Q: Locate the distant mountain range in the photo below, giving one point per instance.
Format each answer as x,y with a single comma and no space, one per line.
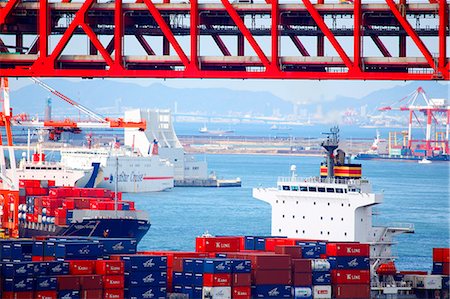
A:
112,97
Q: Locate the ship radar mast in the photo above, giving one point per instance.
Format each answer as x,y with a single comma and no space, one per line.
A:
330,144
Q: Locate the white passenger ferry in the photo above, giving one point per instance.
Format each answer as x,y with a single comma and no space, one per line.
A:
133,171
336,206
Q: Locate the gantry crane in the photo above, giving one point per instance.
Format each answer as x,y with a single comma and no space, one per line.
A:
436,111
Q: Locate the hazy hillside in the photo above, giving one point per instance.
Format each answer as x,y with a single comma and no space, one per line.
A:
112,97
101,94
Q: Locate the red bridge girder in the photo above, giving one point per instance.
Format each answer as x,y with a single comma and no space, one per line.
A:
359,41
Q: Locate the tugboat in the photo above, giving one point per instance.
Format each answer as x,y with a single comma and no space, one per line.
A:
335,206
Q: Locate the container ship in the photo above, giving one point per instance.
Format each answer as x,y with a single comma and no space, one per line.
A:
39,208
335,206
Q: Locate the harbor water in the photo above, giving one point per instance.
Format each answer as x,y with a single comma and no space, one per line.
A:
413,193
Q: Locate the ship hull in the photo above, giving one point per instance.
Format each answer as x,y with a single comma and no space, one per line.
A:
111,228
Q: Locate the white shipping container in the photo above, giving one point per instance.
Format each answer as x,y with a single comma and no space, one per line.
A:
216,293
428,282
302,292
320,265
322,292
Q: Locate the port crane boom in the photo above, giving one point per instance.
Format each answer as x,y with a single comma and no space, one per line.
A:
431,108
98,122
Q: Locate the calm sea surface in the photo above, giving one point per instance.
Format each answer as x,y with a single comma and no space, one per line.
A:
413,193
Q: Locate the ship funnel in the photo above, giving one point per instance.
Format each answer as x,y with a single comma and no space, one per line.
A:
330,145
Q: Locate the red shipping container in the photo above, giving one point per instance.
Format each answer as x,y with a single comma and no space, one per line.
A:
113,294
119,195
17,295
348,249
272,242
91,294
354,291
350,276
294,251
113,282
217,244
441,255
216,280
68,204
49,258
29,218
177,265
81,267
81,203
68,282
262,277
270,261
91,282
241,279
241,293
46,295
109,267
30,183
302,265
446,269
301,279
36,258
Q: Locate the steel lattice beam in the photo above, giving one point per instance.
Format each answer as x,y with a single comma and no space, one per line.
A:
318,31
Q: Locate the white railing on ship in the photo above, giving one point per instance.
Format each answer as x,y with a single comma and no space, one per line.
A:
322,180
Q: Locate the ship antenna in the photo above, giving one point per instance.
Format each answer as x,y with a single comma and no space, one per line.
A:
330,145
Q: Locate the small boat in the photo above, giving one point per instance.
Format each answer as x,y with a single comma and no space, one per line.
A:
203,129
424,161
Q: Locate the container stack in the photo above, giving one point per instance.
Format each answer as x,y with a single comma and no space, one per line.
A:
145,276
350,274
41,204
111,274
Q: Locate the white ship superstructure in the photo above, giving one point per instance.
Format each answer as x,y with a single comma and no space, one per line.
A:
160,127
336,206
134,172
39,169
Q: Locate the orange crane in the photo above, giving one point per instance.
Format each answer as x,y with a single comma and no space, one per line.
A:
98,121
434,111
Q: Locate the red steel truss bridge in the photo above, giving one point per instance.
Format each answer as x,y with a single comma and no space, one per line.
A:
242,39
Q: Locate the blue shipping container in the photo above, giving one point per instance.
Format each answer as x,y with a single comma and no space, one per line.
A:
189,265
438,268
40,268
310,252
58,268
445,282
21,251
146,292
241,266
148,263
271,291
197,280
249,243
17,269
321,278
5,251
18,284
118,245
67,294
135,278
38,248
349,262
260,243
78,250
217,266
192,292
45,283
